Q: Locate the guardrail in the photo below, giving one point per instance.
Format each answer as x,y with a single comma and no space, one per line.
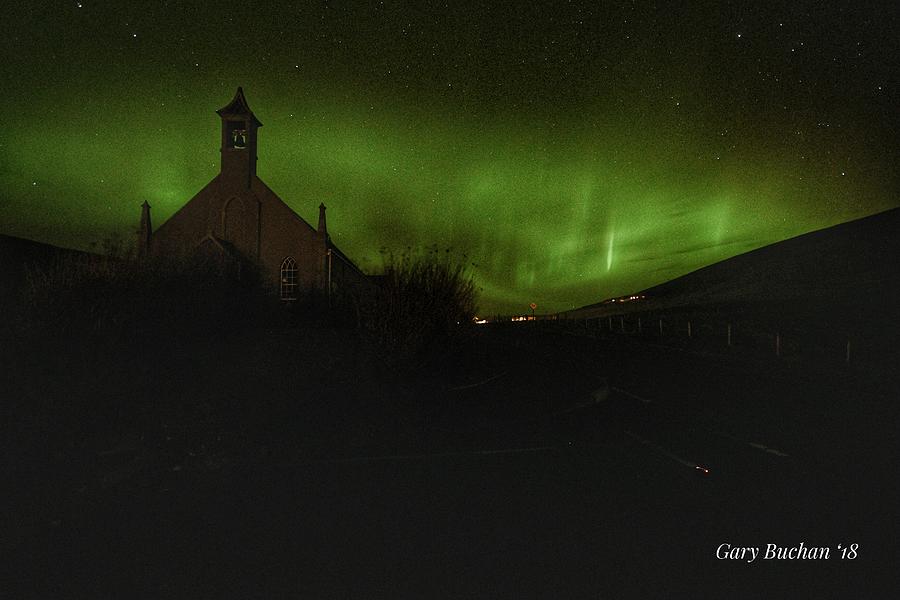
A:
822,343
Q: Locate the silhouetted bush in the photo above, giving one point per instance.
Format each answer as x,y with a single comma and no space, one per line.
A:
105,344
117,298
421,301
198,361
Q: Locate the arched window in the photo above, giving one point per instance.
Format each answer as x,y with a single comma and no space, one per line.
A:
288,279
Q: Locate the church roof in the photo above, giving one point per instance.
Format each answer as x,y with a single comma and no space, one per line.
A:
238,107
342,256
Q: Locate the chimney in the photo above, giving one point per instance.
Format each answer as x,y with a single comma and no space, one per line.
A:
145,232
322,228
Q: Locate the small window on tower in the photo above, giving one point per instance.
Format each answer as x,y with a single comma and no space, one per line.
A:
237,134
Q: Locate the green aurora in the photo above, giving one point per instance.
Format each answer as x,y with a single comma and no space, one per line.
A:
562,198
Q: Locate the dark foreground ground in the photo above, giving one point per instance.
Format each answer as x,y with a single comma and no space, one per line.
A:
548,465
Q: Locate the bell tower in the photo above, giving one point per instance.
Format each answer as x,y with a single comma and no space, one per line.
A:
239,127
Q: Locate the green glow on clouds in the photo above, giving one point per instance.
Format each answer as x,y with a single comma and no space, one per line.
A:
561,215
572,151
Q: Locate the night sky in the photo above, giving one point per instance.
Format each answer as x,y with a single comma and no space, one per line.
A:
572,150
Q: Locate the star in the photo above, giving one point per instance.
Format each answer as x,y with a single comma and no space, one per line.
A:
493,70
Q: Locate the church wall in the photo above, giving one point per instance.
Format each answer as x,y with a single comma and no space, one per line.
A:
285,234
231,214
179,235
239,221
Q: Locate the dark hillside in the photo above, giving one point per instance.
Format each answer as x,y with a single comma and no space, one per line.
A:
18,254
847,261
849,265
826,300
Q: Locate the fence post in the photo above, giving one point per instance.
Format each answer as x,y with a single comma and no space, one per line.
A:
729,334
660,328
639,325
622,324
610,324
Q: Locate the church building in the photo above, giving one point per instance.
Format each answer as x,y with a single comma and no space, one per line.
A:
237,215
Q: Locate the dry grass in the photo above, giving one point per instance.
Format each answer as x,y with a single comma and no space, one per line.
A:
423,300
195,358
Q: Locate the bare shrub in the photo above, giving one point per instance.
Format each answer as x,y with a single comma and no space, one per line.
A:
421,301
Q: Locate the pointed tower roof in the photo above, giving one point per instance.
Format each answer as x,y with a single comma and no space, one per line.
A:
238,107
